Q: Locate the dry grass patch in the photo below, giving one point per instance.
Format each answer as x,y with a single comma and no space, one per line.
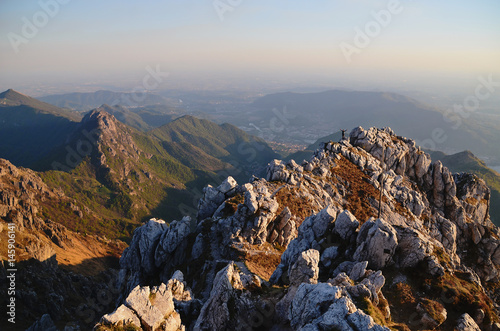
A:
290,197
360,190
261,260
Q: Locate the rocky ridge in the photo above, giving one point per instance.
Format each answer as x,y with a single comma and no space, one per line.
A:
430,261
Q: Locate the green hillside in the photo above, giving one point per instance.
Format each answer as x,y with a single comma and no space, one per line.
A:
188,136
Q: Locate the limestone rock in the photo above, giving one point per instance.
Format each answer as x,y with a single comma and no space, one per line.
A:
276,171
310,302
305,269
432,313
140,254
227,185
358,270
412,248
313,227
377,241
335,316
215,314
466,323
172,241
151,306
328,255
359,291
120,317
346,225
474,195
212,199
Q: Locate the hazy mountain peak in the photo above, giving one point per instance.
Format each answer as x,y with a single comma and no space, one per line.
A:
14,98
11,92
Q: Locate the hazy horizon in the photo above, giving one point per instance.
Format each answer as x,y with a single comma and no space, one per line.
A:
84,46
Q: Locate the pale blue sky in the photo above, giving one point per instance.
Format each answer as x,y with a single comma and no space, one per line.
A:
102,38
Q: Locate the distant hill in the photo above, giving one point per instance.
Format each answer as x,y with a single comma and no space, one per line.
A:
336,109
467,162
30,128
209,140
87,101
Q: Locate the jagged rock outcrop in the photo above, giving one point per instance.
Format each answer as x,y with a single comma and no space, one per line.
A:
150,308
214,197
219,311
21,191
310,233
326,306
431,252
139,258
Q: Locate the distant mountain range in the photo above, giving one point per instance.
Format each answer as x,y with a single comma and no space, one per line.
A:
90,100
285,116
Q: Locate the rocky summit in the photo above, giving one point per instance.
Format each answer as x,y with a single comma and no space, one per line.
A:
368,234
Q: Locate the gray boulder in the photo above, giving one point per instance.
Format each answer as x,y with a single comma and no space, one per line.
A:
305,270
377,241
310,302
151,306
413,247
328,255
358,271
346,225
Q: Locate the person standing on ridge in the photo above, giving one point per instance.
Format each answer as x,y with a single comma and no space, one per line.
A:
343,134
